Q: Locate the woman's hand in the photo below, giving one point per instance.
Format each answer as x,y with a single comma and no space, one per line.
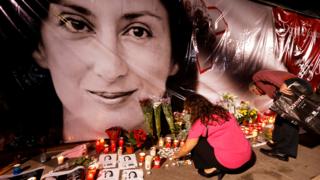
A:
285,90
175,156
186,148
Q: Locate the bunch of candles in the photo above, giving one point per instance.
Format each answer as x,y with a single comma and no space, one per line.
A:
100,145
103,146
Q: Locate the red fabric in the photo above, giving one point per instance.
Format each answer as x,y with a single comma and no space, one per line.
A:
298,38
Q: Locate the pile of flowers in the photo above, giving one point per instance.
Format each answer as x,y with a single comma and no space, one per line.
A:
136,137
182,124
245,114
228,101
152,108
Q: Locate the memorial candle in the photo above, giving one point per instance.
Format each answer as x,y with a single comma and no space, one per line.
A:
148,162
142,156
98,146
60,159
175,143
113,146
106,149
161,142
121,142
90,176
153,151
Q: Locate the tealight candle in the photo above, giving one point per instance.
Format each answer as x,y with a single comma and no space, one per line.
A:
148,162
60,159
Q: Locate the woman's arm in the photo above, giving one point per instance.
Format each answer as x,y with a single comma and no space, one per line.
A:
186,148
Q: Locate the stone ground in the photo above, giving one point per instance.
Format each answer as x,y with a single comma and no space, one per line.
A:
306,166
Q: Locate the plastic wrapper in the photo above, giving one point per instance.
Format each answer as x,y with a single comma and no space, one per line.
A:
147,109
167,110
231,40
231,50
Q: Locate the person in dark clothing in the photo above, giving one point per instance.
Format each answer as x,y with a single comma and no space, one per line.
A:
285,135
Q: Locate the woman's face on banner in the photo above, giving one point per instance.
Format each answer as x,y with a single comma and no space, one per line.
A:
106,55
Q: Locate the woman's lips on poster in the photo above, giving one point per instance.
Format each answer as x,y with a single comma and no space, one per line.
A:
112,97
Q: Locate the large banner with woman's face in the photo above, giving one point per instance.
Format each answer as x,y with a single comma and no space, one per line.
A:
71,69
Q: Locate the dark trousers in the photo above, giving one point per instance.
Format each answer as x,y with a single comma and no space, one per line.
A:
203,158
286,136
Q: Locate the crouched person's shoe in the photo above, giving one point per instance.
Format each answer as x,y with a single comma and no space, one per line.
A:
274,154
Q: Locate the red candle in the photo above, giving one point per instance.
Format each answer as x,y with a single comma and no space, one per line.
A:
168,142
175,143
121,142
90,176
102,142
98,146
113,146
106,149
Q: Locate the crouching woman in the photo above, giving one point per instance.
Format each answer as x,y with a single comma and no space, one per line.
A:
215,140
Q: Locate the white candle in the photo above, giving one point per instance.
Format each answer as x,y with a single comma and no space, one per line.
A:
148,162
153,151
60,159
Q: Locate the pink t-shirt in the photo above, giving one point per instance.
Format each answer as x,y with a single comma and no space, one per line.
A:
231,148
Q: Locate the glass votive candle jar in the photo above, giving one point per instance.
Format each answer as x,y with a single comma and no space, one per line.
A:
142,156
16,169
60,159
153,151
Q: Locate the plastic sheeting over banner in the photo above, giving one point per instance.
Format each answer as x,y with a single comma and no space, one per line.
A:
251,36
88,63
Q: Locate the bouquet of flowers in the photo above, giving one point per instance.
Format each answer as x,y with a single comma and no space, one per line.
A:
183,124
147,109
228,101
167,110
136,137
113,132
157,113
245,114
